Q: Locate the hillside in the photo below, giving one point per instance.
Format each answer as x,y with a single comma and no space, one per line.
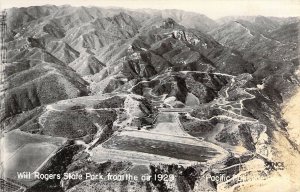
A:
259,39
150,92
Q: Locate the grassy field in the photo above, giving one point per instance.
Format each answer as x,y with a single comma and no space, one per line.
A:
158,147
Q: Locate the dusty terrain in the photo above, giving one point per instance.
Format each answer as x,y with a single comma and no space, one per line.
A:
286,180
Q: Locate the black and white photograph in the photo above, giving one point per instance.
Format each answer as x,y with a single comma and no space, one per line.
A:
150,96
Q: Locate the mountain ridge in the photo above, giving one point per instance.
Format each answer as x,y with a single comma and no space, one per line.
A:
125,87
